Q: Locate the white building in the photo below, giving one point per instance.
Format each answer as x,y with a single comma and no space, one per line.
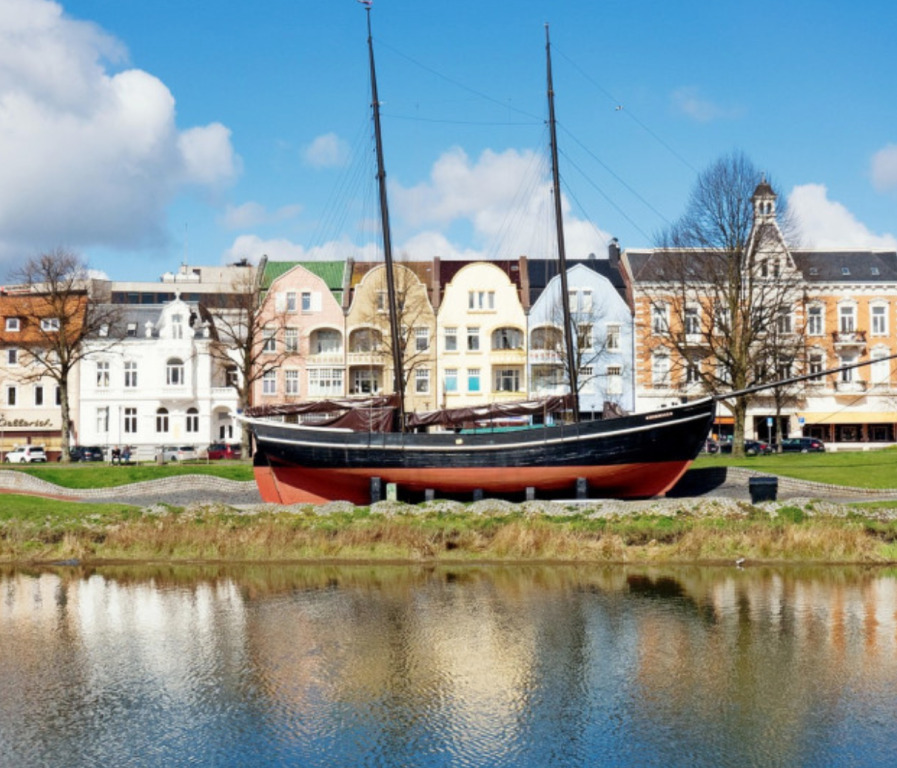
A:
158,385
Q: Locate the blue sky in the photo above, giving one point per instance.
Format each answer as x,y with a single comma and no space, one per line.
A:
143,134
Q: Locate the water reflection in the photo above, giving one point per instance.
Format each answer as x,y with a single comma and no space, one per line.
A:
378,665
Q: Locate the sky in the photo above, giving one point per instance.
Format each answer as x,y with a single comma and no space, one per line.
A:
144,135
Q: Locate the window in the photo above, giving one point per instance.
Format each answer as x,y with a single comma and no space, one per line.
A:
177,326
325,381
692,321
451,379
422,381
692,371
473,339
572,301
102,375
846,374
783,321
291,382
291,339
104,329
507,380
326,341
269,383
722,319
659,319
847,315
12,356
130,424
879,320
49,324
162,420
584,335
364,340
614,380
306,301
12,324
547,339
660,370
11,394
269,340
132,329
103,420
473,379
451,339
507,338
130,374
613,337
58,400
38,394
192,424
174,372
365,381
421,339
880,370
481,300
816,364
815,326
232,376
586,301
291,301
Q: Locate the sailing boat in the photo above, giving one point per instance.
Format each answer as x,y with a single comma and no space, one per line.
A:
633,456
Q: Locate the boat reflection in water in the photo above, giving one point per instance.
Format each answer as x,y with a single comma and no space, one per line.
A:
450,666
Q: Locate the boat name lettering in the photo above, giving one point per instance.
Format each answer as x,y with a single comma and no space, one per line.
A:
652,416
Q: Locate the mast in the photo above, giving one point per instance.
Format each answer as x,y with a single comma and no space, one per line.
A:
395,335
572,361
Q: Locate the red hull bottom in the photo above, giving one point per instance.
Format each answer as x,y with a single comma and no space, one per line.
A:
302,485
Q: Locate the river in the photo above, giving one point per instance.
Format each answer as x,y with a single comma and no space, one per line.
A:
451,666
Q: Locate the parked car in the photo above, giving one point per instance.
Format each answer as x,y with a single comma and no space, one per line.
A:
86,453
802,445
751,448
711,446
223,451
176,453
25,454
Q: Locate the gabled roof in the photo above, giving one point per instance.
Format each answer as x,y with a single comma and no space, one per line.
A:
541,272
331,272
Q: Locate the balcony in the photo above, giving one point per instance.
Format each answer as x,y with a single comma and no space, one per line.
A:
849,339
507,357
850,386
325,358
545,356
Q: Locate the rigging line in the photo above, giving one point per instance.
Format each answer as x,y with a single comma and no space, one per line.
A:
629,114
607,198
457,84
615,175
444,121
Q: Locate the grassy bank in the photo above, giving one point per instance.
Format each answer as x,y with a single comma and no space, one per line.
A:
98,475
36,530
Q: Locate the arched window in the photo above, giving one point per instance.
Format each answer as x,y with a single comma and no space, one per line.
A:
174,372
507,338
162,420
192,420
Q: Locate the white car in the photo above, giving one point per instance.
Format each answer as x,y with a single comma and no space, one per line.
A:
25,454
176,453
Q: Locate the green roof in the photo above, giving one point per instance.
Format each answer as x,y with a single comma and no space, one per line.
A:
331,272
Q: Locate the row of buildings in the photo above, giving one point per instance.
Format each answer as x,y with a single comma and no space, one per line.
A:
161,372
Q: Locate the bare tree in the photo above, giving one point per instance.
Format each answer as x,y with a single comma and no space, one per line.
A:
56,303
247,338
724,293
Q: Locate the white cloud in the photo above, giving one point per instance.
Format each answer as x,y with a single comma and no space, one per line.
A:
884,168
824,223
254,215
689,102
253,247
89,156
327,151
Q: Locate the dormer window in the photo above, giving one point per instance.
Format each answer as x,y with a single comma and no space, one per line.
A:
49,324
845,271
875,270
177,326
814,271
13,324
132,329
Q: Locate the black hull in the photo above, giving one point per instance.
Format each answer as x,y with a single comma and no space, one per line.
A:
649,452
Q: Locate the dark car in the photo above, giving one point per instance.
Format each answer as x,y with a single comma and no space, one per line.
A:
223,451
86,453
751,448
711,446
802,445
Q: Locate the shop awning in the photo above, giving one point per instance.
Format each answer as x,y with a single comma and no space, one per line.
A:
850,417
724,420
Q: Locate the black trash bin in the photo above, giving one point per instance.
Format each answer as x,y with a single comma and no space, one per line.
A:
763,488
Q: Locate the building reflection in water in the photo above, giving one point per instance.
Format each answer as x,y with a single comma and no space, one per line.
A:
475,665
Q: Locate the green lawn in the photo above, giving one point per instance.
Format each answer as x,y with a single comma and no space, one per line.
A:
97,475
859,469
